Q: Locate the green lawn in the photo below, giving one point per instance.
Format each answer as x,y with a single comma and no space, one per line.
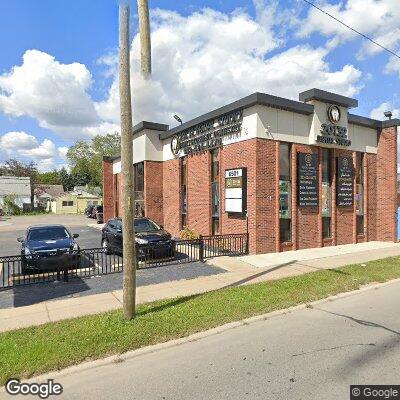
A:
30,351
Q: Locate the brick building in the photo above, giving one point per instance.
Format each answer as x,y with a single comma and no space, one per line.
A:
294,174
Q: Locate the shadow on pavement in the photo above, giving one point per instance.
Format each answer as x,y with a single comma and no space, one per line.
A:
36,293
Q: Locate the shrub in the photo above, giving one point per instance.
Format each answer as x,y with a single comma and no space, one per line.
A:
188,234
9,206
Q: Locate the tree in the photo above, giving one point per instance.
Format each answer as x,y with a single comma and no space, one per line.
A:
15,167
145,42
66,179
49,178
86,158
128,234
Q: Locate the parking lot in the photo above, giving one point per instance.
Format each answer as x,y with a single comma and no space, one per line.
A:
89,237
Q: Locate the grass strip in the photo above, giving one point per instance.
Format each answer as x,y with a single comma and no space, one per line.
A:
35,350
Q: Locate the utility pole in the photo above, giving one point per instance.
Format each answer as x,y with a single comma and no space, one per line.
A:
128,234
145,42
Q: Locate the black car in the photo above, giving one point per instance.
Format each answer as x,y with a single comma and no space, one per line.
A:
88,210
48,248
96,210
152,241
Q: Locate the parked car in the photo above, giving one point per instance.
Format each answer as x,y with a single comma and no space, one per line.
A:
99,217
47,248
152,241
96,210
88,210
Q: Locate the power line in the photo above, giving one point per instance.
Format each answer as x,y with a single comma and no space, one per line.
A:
352,29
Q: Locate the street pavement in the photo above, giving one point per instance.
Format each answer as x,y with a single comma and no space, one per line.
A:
311,353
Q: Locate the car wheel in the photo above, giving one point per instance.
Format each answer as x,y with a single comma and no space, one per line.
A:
105,245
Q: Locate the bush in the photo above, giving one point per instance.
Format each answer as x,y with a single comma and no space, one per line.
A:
188,234
9,206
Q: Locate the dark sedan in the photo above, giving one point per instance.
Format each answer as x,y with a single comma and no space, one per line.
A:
152,241
48,248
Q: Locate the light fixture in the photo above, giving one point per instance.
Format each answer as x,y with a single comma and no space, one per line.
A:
178,119
388,114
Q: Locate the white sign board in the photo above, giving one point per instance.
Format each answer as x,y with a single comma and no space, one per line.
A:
235,190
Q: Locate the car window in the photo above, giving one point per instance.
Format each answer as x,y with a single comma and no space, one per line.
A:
118,224
111,224
145,225
47,233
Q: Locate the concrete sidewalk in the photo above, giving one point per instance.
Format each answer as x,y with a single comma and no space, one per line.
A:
239,271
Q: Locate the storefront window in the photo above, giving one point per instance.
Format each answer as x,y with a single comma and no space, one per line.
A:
285,223
326,194
183,168
360,193
138,187
215,191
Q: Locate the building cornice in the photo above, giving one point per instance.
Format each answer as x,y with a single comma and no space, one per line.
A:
246,102
328,97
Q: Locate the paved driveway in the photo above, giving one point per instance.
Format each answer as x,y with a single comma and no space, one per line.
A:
89,238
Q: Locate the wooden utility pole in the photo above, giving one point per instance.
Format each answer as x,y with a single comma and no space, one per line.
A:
128,234
145,43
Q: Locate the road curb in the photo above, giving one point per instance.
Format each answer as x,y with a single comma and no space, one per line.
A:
86,365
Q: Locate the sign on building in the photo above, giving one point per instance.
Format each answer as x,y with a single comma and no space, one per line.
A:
345,182
307,180
236,190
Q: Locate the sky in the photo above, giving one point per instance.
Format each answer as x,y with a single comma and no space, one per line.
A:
58,64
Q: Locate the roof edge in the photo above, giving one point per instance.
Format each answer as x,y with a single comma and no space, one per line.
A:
245,102
328,97
149,125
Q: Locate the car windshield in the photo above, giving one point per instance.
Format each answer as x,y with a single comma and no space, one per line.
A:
53,233
145,225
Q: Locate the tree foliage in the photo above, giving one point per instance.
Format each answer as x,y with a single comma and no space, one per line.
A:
86,158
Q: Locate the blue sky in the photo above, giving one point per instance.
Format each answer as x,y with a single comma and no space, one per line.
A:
232,49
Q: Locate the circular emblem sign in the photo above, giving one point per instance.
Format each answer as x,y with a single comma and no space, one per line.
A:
308,159
175,145
334,114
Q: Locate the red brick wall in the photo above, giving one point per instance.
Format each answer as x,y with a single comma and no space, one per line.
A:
171,196
199,192
108,190
260,157
240,155
153,191
386,184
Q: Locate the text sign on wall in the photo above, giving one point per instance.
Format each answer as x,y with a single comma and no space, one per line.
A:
345,182
207,135
307,180
235,190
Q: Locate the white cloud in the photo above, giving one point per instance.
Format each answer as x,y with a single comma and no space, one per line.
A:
208,59
393,66
53,93
200,62
23,146
379,19
377,113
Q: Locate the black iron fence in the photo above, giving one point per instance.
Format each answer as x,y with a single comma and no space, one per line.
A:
63,266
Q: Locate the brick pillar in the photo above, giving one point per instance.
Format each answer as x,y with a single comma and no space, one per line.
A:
171,196
153,191
386,172
108,190
371,198
199,192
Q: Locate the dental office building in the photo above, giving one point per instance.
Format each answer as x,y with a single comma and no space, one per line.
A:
293,174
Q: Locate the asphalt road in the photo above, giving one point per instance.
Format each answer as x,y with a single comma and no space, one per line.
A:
88,238
307,354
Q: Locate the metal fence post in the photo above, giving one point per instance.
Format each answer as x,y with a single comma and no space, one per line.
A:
201,248
247,243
